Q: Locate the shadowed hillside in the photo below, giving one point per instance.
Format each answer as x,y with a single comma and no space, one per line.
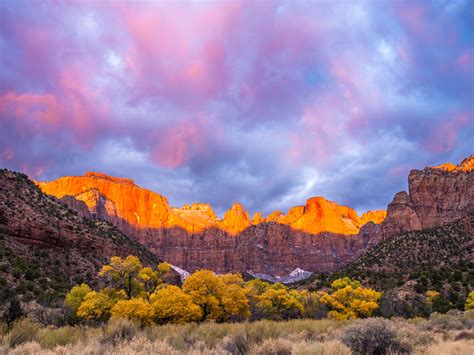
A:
439,259
45,247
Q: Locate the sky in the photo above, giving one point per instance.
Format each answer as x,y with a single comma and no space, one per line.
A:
266,103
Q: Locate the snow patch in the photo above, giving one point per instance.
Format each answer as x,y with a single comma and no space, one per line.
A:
183,274
294,276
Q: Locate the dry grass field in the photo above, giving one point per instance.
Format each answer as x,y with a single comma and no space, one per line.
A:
451,333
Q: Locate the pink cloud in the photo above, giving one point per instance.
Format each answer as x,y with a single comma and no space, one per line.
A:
8,154
415,17
443,135
183,52
177,144
465,61
42,108
322,131
72,108
399,171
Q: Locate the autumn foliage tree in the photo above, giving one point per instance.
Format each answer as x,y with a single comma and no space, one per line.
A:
76,296
274,301
139,293
97,305
124,274
469,302
219,297
279,302
130,281
349,300
137,309
171,304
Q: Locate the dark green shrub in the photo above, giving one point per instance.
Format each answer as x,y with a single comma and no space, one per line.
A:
17,273
394,304
13,312
441,304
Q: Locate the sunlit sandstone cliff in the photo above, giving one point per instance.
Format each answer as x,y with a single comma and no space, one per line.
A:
121,201
116,199
436,196
319,236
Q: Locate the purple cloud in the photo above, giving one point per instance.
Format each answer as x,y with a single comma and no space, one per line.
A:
220,102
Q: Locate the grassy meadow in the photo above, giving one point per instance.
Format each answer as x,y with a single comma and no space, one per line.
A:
451,333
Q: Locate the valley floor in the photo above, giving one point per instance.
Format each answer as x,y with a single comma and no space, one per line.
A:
451,333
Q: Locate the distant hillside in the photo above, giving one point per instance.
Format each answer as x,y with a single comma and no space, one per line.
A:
443,247
45,247
192,237
440,259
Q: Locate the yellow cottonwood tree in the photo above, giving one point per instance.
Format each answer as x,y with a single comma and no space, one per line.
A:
344,282
469,302
234,298
256,287
97,305
163,268
76,296
205,289
431,295
347,301
279,302
124,272
171,304
137,309
149,280
312,305
220,297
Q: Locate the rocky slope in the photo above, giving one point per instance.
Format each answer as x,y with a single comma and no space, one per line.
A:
319,236
45,248
439,259
128,206
442,247
436,196
414,262
427,240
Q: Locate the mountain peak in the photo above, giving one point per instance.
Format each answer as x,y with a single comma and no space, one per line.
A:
467,165
120,200
97,175
236,219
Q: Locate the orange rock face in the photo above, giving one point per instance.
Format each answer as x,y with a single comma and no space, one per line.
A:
436,195
320,215
31,218
467,165
133,205
319,236
376,216
192,236
275,216
193,218
236,219
123,203
257,218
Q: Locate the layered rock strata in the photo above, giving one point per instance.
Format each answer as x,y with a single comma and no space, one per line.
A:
319,236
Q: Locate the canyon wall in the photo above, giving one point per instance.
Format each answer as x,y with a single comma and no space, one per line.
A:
319,236
29,217
436,196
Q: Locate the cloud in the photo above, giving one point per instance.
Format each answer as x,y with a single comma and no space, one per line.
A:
221,102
